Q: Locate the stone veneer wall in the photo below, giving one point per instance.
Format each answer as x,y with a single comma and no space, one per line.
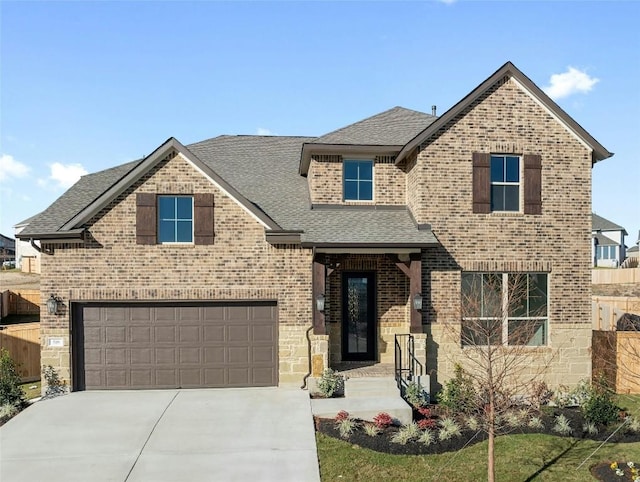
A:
325,181
240,265
439,186
392,303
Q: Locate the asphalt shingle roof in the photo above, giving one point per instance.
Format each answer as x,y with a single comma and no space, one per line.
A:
264,169
598,223
604,241
394,127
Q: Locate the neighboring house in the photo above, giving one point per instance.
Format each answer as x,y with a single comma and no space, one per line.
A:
27,257
608,242
7,249
259,260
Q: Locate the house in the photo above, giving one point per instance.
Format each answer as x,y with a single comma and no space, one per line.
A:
608,242
7,249
263,260
27,257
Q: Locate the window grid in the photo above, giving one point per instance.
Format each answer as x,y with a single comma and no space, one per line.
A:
505,182
358,180
175,219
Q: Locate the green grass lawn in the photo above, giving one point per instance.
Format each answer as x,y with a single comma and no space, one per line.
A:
630,403
518,458
31,392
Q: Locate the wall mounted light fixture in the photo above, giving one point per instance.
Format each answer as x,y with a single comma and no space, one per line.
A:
320,302
417,301
53,304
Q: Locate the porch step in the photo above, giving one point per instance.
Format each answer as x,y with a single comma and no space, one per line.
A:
363,408
371,387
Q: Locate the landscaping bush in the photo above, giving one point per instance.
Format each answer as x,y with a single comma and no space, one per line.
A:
415,394
600,408
330,383
10,391
55,386
458,394
383,420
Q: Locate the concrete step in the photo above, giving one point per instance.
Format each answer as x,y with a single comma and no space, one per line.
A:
363,408
371,387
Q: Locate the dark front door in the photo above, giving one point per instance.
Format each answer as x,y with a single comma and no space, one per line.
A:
358,316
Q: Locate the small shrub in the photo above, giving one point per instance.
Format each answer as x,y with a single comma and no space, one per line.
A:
563,397
330,383
600,408
540,394
415,394
535,423
55,386
590,428
406,433
633,424
427,437
513,419
342,415
427,423
562,425
7,411
449,428
346,427
458,394
383,420
371,429
425,412
472,422
10,391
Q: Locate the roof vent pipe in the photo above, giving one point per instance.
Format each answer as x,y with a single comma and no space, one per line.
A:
433,110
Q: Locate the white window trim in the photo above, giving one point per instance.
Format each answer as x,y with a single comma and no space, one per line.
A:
373,179
520,157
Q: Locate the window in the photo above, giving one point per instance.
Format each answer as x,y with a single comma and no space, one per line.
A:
175,219
358,180
504,308
505,183
606,252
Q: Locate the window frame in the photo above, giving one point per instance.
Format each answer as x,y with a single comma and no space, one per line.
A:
505,183
506,319
358,180
176,220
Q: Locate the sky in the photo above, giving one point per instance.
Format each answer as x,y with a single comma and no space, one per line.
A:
85,86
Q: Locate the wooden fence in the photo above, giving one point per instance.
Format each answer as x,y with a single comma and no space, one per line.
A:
615,276
616,357
607,310
22,341
24,302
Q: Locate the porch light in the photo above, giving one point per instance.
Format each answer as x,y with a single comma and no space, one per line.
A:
417,302
320,302
53,303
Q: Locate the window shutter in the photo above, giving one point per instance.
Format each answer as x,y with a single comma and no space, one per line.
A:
532,184
146,218
481,182
203,218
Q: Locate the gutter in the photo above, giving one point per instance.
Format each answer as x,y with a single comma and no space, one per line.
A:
306,377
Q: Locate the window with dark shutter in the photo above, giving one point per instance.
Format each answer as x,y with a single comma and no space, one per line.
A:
203,218
532,184
145,218
481,183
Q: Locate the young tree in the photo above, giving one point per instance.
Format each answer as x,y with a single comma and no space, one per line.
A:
503,315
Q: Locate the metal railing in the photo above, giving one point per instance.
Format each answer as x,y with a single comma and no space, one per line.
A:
407,367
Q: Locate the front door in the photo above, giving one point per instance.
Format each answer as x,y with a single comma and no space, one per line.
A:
358,316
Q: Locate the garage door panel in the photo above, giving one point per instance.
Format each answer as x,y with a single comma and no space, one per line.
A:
152,345
165,334
140,334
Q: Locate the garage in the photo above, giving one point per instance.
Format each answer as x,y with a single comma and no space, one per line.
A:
174,345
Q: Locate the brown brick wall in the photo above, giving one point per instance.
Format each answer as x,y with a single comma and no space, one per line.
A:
325,181
240,265
439,179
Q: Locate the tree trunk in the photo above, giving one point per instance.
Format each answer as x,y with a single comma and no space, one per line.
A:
491,470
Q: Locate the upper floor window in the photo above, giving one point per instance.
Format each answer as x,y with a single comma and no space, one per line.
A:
358,180
505,183
175,219
607,252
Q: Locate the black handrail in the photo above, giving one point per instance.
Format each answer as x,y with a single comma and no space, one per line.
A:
407,366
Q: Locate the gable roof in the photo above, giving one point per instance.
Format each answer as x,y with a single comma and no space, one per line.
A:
604,241
383,133
598,223
508,69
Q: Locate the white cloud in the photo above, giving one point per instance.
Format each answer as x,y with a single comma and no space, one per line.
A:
66,175
264,132
11,169
571,82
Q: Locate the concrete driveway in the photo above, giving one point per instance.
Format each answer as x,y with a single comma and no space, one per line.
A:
163,435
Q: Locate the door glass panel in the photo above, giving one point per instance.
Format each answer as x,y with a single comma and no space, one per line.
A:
357,314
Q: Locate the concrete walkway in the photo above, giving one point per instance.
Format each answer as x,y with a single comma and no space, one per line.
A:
257,434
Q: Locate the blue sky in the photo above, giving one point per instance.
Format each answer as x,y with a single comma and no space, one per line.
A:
89,85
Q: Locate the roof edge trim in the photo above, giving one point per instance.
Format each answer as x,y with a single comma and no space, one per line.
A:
309,148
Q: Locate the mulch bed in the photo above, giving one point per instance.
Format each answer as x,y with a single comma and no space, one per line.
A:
604,473
382,441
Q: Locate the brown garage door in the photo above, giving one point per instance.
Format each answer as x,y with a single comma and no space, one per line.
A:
185,345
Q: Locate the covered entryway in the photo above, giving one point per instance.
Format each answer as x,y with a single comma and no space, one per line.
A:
130,345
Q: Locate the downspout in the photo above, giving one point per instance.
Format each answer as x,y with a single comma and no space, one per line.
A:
304,380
